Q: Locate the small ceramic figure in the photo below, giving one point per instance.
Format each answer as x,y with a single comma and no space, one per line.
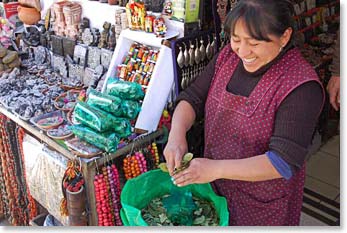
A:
159,27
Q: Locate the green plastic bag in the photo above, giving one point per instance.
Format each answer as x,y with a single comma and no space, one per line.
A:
100,120
124,89
139,191
115,105
107,141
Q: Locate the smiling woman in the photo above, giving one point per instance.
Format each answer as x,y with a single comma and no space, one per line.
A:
261,101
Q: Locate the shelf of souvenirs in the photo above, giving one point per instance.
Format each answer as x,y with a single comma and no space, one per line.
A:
314,10
318,23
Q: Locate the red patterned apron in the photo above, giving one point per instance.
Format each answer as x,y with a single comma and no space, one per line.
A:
239,127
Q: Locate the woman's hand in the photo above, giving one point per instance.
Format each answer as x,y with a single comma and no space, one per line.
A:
200,171
174,150
333,89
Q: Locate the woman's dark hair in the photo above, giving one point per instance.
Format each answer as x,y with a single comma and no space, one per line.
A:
262,18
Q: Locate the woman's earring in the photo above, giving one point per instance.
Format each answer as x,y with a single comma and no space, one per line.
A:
280,50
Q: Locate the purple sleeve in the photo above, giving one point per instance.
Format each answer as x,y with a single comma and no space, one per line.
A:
281,166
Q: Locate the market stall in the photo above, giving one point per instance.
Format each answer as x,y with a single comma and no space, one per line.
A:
86,99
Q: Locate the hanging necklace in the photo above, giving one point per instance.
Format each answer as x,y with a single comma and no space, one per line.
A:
222,12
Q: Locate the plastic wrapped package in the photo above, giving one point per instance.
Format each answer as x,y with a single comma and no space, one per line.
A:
115,105
124,89
44,171
107,141
100,120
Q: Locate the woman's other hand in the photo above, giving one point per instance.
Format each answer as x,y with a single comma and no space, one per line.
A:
174,150
200,171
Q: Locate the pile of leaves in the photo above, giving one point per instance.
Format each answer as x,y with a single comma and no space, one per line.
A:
204,215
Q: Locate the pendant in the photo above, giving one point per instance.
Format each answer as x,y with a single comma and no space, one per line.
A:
202,50
213,47
180,58
208,49
191,55
197,53
186,55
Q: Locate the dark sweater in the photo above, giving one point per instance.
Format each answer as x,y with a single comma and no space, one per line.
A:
295,118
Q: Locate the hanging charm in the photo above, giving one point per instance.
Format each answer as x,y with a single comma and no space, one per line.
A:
180,58
183,80
202,50
186,55
197,53
213,47
208,49
191,54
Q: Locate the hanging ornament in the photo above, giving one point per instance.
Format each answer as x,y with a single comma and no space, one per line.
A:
180,58
202,50
186,55
208,49
191,54
197,53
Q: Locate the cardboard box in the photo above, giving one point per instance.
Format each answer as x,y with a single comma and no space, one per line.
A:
186,10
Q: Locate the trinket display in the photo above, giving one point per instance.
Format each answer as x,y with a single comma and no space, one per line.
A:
136,13
72,15
76,72
68,46
82,148
62,132
134,165
6,32
59,19
57,45
121,22
192,55
112,40
67,100
94,57
24,95
80,55
107,196
104,35
88,37
41,55
59,65
13,180
106,57
167,8
49,122
159,27
149,22
138,64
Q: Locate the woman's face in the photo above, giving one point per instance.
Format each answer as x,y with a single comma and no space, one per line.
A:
254,53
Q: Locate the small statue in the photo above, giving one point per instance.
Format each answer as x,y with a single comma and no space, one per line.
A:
168,8
97,36
104,35
159,27
111,43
